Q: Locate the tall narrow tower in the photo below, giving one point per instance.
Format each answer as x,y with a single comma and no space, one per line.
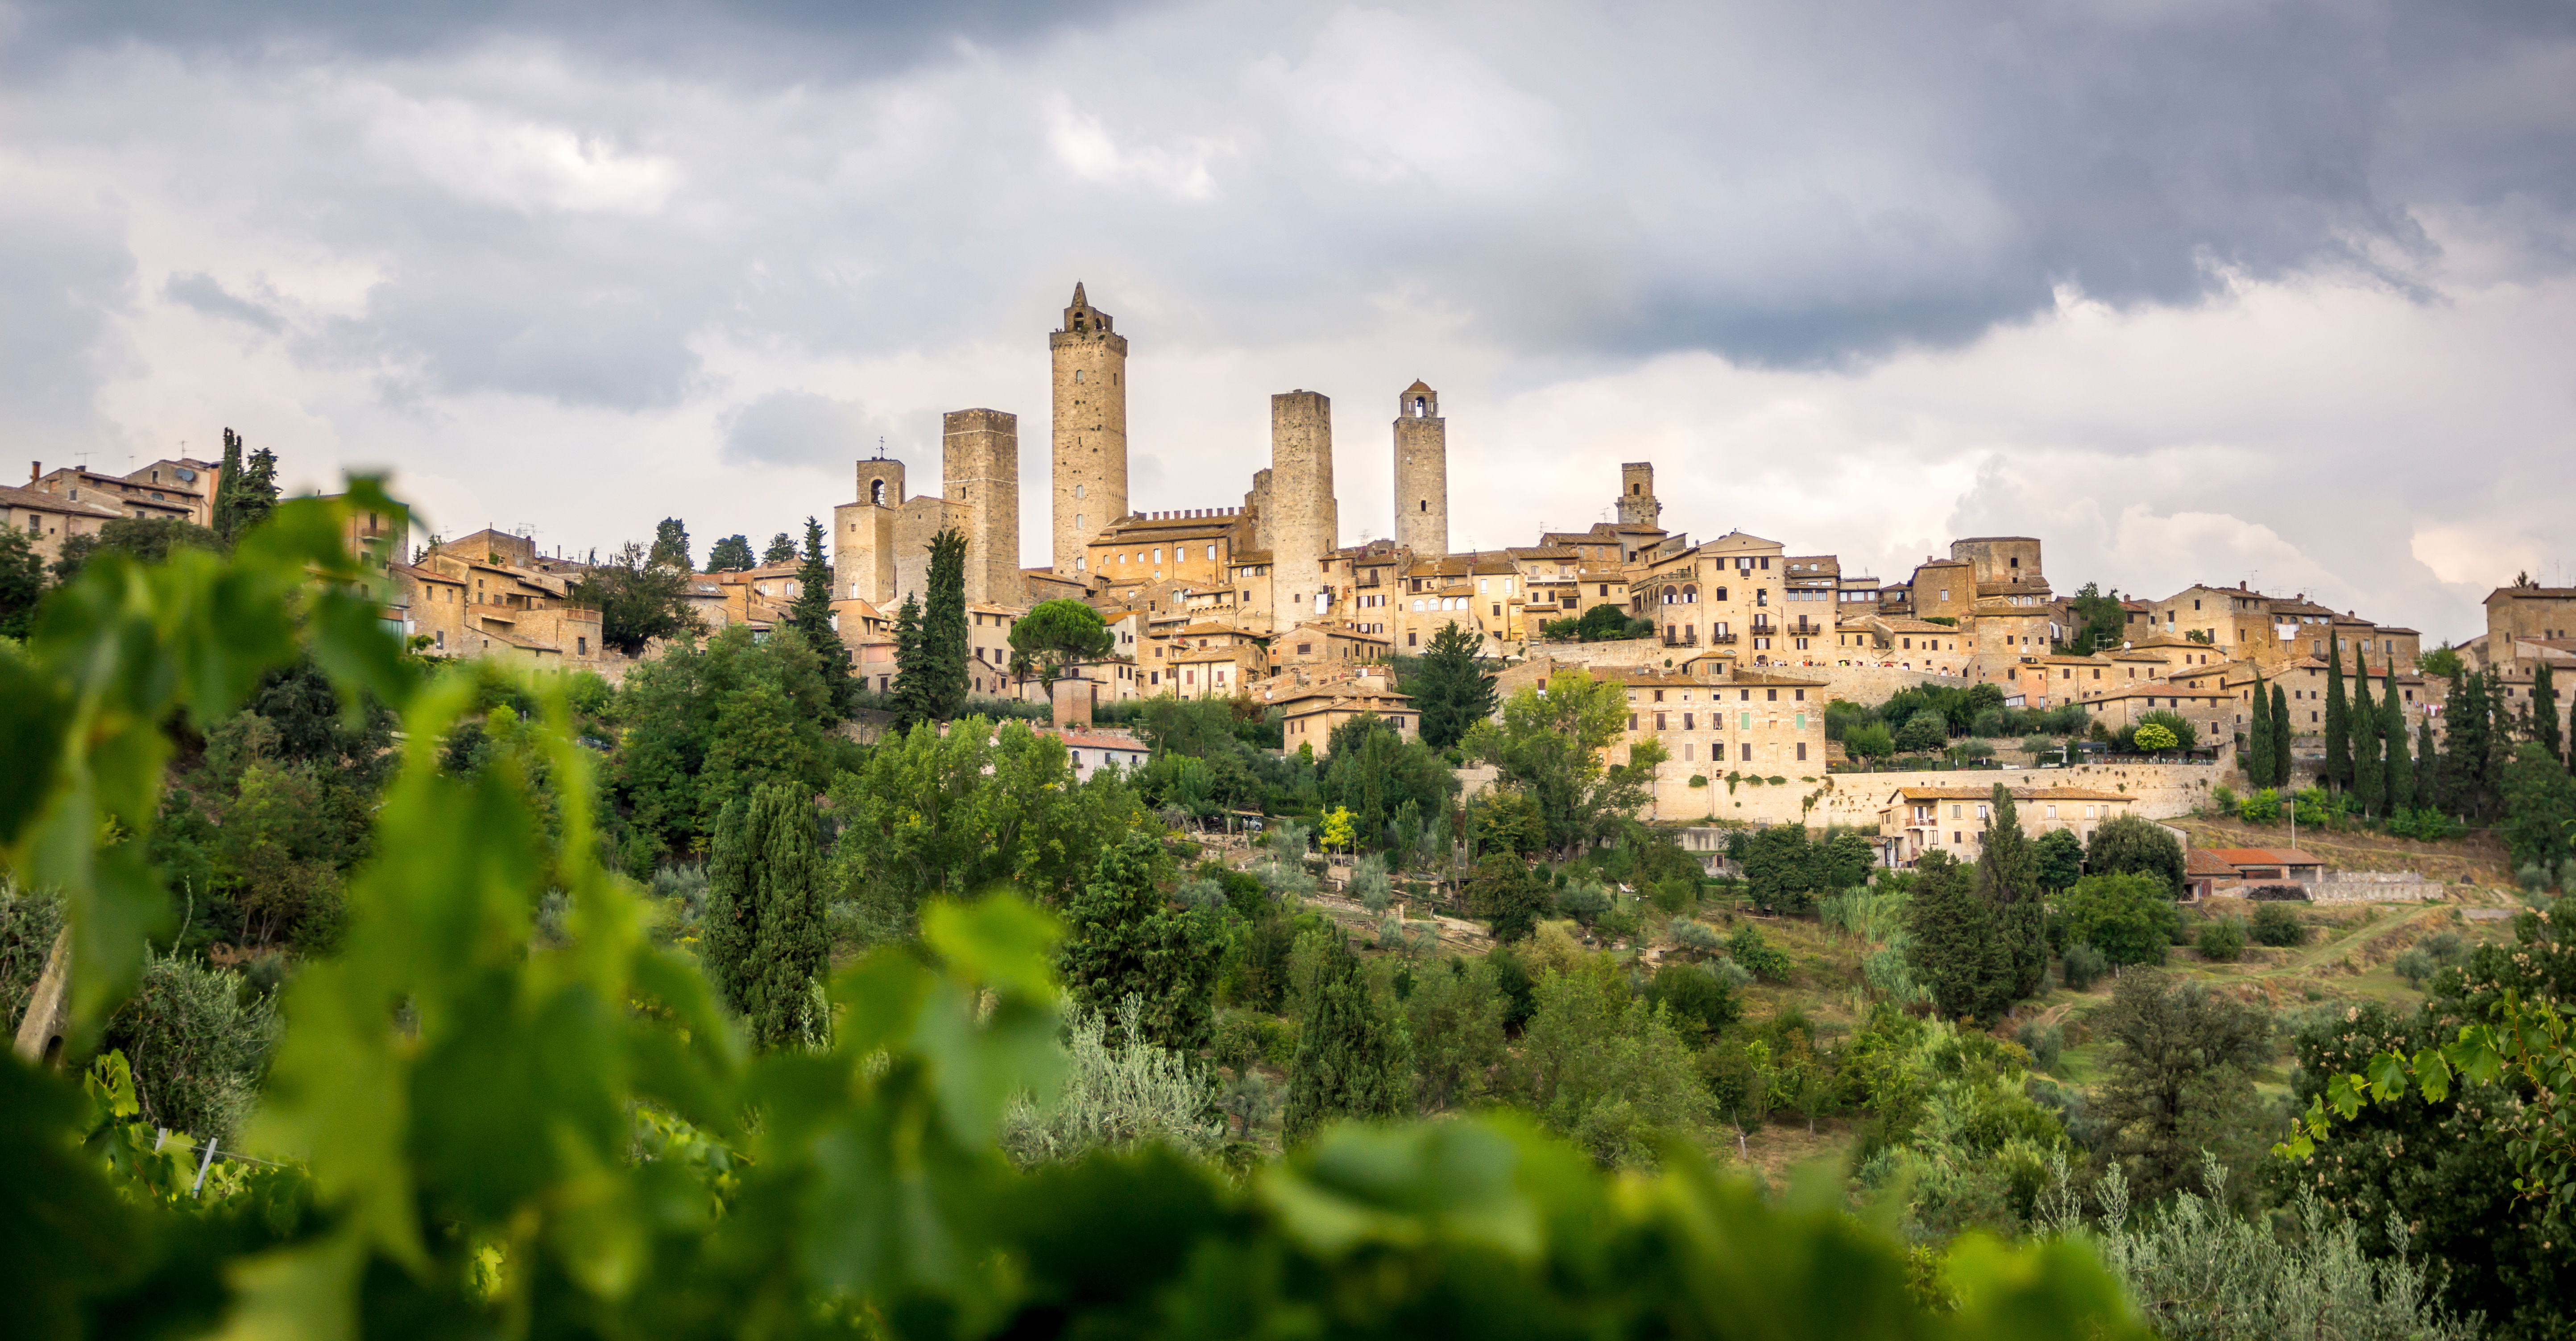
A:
980,469
1421,472
1637,505
1306,520
1090,430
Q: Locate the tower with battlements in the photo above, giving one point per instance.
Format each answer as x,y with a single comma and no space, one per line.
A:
1090,431
980,476
1421,473
1637,505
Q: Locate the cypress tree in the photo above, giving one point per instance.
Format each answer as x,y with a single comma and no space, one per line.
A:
1122,940
2401,770
1949,935
2369,764
2544,712
2008,884
2468,726
811,615
2338,771
943,626
912,703
765,942
2258,737
1350,1061
2427,767
2280,737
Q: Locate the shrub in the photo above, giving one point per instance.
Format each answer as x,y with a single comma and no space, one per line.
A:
2043,1042
2082,967
1582,899
1118,1093
2414,965
2275,924
1677,894
2037,744
2128,917
2222,940
1755,955
1695,937
2263,807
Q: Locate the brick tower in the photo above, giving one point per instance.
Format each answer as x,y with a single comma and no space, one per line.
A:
1090,430
980,473
1421,473
1637,505
1303,519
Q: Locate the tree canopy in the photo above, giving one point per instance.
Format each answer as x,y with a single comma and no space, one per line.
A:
638,600
1059,634
1452,686
1551,743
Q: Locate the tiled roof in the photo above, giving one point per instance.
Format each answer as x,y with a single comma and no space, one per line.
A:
2264,856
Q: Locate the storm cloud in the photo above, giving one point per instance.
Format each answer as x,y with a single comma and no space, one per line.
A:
2108,274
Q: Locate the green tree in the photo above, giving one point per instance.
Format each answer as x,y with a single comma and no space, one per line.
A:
1924,732
637,600
2544,711
1452,687
1060,634
912,699
2539,808
1350,1061
2258,738
1507,894
2153,737
811,614
22,582
1869,740
245,489
2280,738
2177,1080
709,721
1550,744
1122,941
1606,1070
943,627
2471,745
671,546
2369,756
1454,1017
1605,622
782,549
2399,790
2338,769
2136,843
1376,773
143,539
2128,917
1506,819
1952,942
731,554
2008,881
2060,855
766,949
2100,620
2428,766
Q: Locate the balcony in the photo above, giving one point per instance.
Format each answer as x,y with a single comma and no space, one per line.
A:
1681,640
1720,638
1806,629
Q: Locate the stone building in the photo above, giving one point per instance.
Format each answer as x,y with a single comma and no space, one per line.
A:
1090,430
1637,503
881,540
49,519
1300,512
1917,820
1421,472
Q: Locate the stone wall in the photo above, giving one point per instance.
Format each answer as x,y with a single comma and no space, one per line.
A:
1421,474
1854,799
2376,887
980,465
1301,514
1090,431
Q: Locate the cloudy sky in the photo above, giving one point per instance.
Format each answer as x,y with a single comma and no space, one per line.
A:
2194,290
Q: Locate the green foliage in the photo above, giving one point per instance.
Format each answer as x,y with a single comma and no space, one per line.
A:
1507,819
1954,948
2275,925
2369,754
2151,737
2135,843
22,582
671,546
2221,940
2175,1079
942,681
1550,744
1122,945
2263,807
2100,622
709,721
1453,1018
733,553
2128,918
1606,1070
2082,966
1757,956
2338,724
1692,997
1375,773
1059,634
2257,755
811,615
1786,872
1119,1093
2059,856
143,539
1947,1114
2539,808
766,950
1925,731
245,490
782,549
1351,1061
1452,687
1869,740
639,599
2008,882
1505,892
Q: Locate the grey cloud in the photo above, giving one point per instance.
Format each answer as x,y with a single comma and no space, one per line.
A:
206,294
800,428
62,279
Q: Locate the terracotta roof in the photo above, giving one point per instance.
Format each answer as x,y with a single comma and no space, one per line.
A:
13,496
1087,741
2202,861
2264,856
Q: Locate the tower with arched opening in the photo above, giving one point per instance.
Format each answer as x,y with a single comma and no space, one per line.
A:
1090,431
1421,472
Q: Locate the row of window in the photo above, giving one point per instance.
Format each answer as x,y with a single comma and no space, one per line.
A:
1716,721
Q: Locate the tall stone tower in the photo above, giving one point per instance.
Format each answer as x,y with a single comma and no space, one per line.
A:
863,535
1090,430
980,475
1303,519
1637,505
1421,472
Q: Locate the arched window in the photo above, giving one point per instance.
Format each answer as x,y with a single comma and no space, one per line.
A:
1077,521
1690,595
1077,491
1077,374
1426,505
876,492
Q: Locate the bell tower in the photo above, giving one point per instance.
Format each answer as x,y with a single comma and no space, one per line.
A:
1421,473
1090,428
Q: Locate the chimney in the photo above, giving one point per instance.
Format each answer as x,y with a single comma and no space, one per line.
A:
35,471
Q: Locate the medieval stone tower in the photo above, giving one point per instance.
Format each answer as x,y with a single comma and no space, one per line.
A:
1421,473
1090,430
980,469
1300,514
863,535
1637,505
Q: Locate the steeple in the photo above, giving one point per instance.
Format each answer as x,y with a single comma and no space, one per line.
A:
1082,318
1077,295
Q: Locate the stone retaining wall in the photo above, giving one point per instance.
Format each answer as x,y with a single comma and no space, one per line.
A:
1854,799
2376,887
